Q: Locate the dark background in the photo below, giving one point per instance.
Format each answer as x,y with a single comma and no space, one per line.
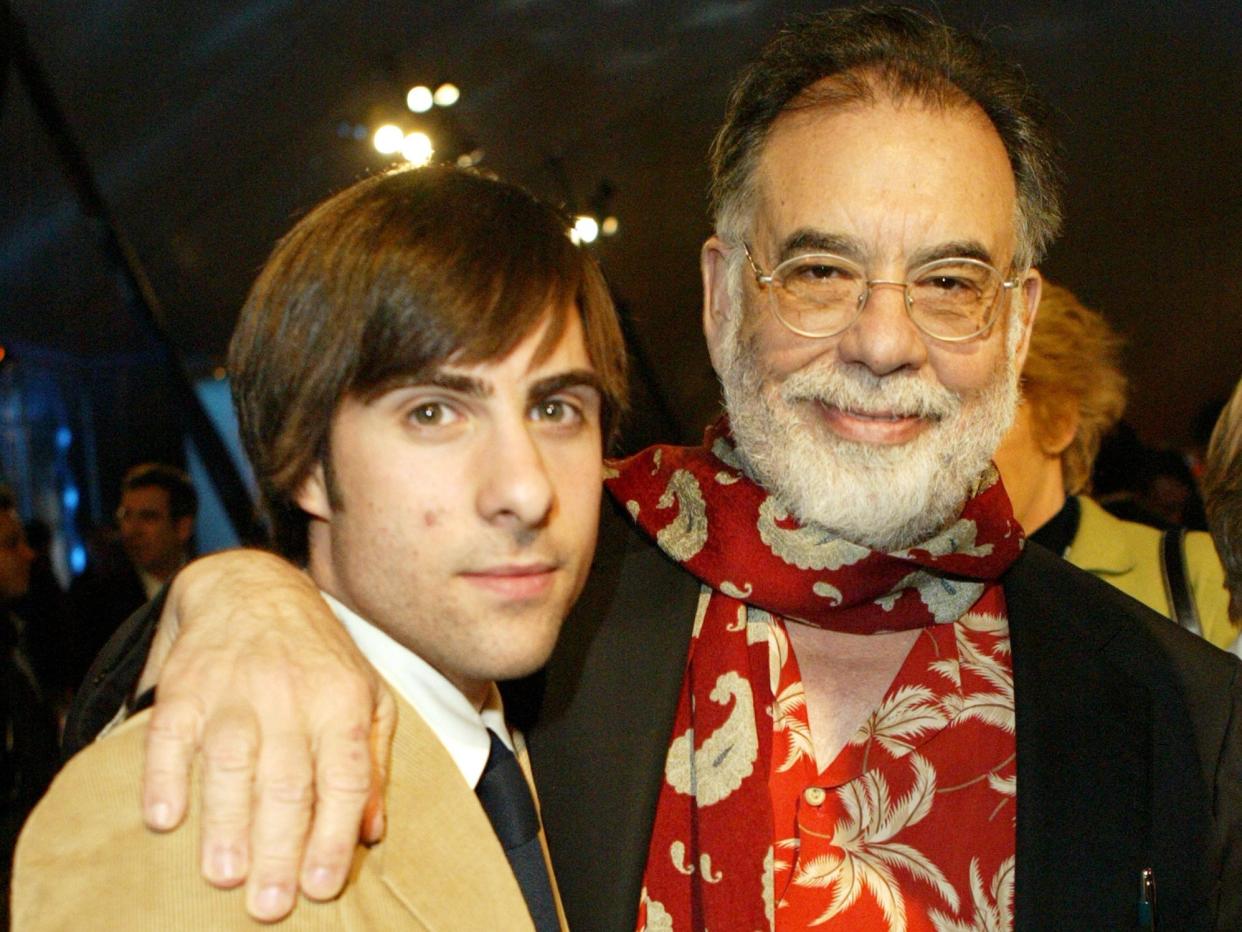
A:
210,126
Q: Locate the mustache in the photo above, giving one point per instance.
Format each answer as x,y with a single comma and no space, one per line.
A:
859,391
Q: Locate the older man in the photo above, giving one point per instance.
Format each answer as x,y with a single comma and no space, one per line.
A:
815,679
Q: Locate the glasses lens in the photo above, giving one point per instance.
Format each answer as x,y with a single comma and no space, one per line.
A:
955,298
819,294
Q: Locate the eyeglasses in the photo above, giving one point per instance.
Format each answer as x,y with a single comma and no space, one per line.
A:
820,295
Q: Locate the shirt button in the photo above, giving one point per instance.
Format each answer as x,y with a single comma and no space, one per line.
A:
814,795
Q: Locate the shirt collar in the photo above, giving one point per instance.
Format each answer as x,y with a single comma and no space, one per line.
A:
453,719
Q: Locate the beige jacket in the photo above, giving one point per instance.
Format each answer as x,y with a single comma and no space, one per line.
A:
1127,555
85,861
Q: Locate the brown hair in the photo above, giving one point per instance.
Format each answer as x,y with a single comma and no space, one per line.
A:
182,497
904,54
1222,495
398,273
1074,363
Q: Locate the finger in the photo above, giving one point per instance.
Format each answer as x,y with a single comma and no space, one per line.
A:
172,737
282,817
383,724
342,786
230,753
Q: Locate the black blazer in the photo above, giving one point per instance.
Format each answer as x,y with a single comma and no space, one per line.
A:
1129,739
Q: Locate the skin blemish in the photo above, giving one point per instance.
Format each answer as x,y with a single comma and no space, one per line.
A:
430,519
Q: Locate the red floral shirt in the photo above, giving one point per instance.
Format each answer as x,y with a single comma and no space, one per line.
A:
875,841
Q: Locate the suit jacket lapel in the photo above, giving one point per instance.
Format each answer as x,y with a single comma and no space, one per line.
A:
441,857
1084,738
598,722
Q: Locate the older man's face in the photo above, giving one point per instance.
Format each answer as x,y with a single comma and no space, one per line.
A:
876,432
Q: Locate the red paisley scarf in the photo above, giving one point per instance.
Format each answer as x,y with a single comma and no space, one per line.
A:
710,863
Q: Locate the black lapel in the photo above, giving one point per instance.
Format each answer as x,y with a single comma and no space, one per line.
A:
1103,740
598,721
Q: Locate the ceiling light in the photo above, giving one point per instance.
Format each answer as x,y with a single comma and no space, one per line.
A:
419,99
387,139
446,95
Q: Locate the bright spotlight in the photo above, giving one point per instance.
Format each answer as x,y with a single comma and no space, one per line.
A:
387,139
419,99
417,148
446,95
610,226
586,227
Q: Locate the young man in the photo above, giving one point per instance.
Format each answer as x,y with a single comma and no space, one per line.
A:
424,374
815,679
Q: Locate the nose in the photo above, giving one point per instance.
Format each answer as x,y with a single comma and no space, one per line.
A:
516,490
884,338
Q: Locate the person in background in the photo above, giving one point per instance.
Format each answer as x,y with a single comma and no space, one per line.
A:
28,752
1073,393
155,520
1222,495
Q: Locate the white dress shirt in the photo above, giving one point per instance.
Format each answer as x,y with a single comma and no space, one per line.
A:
451,716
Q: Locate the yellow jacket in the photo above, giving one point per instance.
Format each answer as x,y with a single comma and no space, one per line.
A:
1127,555
85,861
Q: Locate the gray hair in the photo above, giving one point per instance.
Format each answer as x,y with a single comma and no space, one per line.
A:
903,54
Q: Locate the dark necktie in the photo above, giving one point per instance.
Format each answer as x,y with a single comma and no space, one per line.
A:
505,796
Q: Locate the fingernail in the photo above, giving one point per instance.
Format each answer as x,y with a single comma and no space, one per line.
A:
273,899
321,877
224,864
161,815
377,825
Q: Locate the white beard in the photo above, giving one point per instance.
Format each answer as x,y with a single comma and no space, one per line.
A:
887,497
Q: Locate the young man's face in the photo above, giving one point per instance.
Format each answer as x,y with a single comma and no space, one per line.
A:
463,510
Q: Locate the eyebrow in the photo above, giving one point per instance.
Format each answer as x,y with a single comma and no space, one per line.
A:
475,387
574,378
808,240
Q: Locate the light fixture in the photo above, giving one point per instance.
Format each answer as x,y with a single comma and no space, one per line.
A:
419,99
446,95
388,138
610,226
417,148
587,228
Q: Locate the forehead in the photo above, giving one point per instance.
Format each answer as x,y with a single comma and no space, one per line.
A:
894,177
146,497
557,341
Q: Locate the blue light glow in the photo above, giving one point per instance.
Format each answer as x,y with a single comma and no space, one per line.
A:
64,437
70,497
77,558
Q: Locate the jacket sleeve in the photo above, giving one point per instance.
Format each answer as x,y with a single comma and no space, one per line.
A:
1229,813
111,678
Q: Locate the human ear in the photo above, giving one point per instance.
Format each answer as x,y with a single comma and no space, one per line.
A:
312,495
1059,427
1032,285
717,305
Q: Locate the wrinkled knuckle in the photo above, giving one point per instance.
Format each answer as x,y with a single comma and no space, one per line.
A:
176,719
353,782
288,791
231,752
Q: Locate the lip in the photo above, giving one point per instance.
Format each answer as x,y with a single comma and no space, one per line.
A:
877,427
516,582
